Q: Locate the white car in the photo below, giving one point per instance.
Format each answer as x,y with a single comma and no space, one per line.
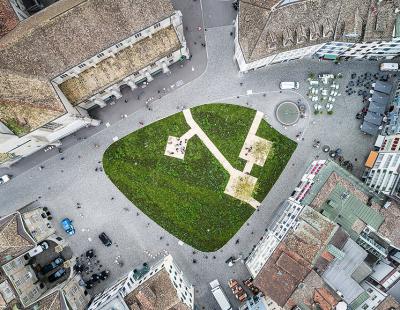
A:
5,178
289,85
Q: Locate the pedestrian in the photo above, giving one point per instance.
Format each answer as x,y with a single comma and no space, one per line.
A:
126,100
231,33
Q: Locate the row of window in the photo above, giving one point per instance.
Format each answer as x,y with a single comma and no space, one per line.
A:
118,45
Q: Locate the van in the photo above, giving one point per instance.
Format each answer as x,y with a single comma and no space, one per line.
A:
220,296
389,66
289,85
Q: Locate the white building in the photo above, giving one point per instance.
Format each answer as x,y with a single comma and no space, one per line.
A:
383,176
273,236
162,287
68,58
269,32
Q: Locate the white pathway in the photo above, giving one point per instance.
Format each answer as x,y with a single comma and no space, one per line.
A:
236,176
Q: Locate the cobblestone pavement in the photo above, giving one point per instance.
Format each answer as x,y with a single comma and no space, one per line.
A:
63,183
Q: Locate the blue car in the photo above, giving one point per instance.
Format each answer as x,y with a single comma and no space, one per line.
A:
68,227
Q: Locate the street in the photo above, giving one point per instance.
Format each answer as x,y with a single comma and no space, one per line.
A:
61,184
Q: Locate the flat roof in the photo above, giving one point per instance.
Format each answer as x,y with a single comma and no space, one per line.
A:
338,274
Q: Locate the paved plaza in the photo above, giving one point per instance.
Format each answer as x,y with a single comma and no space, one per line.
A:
71,177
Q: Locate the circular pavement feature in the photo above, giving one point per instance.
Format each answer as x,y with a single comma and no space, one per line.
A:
287,113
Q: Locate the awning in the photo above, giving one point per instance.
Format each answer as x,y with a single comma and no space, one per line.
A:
369,128
379,141
371,159
330,57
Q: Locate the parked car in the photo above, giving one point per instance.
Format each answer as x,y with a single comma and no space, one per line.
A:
52,265
5,178
289,85
105,239
36,250
57,275
68,227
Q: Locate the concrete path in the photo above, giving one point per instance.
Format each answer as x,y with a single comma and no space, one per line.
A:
208,143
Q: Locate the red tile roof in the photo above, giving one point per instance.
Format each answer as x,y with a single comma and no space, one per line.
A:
8,18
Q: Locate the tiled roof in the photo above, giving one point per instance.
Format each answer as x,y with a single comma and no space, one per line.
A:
392,218
12,243
51,302
313,290
293,259
157,292
269,27
126,62
389,303
27,101
56,39
8,18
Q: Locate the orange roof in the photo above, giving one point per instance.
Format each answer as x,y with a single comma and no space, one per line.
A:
371,159
328,256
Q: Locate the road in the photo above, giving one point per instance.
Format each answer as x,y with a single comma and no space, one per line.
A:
63,183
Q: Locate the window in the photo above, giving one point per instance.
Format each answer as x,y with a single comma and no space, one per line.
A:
136,74
100,55
169,56
63,75
119,45
82,66
138,35
157,25
365,307
153,65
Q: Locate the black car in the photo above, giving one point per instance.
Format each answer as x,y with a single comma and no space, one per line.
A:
105,239
52,265
57,275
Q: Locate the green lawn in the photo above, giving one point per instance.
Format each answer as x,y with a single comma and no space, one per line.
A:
187,197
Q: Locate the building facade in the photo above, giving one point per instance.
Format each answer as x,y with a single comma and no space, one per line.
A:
279,31
47,87
162,286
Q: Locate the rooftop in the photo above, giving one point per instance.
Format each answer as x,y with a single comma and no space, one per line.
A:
293,259
313,290
8,18
389,303
56,39
14,241
339,273
344,199
157,292
125,63
268,27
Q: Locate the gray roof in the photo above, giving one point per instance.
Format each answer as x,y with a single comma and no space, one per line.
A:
380,98
383,87
369,128
338,274
376,108
267,27
373,118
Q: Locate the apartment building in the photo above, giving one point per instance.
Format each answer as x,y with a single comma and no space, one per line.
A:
269,32
67,58
382,174
161,286
333,246
27,243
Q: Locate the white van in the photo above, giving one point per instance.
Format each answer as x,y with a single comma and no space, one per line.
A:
389,66
220,296
289,85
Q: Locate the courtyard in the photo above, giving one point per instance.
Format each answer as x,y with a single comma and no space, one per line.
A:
203,188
